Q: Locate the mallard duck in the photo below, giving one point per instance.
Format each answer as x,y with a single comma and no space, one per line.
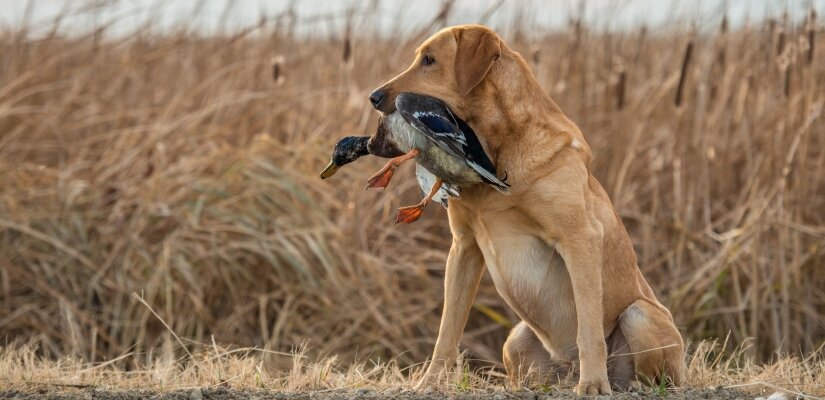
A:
351,148
425,129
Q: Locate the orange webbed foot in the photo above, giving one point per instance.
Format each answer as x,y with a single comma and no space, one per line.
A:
409,214
380,179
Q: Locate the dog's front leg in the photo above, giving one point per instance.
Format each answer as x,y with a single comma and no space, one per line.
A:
462,275
569,223
582,254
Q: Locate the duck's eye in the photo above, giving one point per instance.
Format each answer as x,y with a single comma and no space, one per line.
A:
428,60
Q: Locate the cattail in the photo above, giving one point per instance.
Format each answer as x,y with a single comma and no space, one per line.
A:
347,53
110,196
620,88
811,36
718,66
577,30
771,29
440,20
780,41
723,30
640,43
683,77
780,38
277,69
788,81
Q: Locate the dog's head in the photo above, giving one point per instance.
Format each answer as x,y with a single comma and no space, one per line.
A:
448,66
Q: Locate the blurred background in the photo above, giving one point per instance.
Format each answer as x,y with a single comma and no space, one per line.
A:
171,150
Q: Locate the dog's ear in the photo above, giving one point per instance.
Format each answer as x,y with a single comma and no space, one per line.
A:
478,47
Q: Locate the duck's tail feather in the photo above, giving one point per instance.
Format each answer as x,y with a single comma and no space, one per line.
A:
452,190
490,178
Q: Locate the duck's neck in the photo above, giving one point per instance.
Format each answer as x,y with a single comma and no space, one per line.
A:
361,148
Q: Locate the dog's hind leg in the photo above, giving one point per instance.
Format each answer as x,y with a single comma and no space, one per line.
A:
620,371
528,363
654,343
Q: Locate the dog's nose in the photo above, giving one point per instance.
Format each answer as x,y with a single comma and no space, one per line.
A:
376,98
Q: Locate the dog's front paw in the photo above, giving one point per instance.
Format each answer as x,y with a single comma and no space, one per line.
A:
433,374
426,382
593,387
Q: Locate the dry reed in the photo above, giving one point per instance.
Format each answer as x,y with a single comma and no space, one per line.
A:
171,165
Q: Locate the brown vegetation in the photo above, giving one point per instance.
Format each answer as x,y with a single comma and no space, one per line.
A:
175,167
210,367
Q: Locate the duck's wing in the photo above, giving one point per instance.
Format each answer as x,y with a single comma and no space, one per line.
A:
434,120
478,159
443,132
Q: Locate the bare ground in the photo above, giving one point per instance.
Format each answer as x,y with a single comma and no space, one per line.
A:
228,393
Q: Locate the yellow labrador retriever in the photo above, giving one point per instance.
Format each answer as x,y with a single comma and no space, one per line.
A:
555,248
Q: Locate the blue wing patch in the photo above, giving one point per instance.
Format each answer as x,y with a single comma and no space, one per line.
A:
441,126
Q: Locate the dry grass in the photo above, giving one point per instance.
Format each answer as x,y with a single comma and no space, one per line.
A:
176,167
22,369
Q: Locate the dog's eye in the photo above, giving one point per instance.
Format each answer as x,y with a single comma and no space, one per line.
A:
428,60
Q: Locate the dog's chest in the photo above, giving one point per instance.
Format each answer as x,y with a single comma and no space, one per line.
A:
531,278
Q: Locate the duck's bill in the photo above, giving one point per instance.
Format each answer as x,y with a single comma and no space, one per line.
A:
329,170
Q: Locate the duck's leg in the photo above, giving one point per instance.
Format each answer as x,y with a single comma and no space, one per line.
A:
382,177
412,213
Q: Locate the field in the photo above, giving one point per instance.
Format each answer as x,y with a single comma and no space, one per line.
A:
163,225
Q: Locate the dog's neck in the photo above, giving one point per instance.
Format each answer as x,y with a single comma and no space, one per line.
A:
514,116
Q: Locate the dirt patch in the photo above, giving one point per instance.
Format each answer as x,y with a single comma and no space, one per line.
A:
361,394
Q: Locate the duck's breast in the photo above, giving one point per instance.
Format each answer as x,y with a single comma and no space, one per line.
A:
403,134
426,180
447,167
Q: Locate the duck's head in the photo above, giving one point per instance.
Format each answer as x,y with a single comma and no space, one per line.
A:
347,150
